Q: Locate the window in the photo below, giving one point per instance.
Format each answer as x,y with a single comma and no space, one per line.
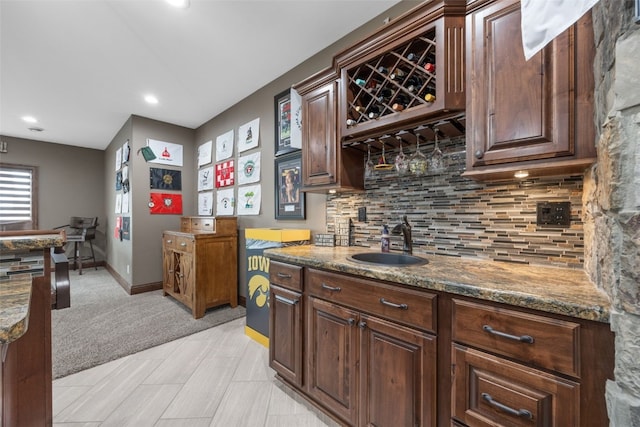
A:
18,198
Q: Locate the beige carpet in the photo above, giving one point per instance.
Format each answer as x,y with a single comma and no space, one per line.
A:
105,323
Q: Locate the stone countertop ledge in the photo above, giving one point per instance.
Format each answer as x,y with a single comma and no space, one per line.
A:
561,291
15,294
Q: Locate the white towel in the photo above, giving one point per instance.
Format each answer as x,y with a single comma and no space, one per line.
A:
544,20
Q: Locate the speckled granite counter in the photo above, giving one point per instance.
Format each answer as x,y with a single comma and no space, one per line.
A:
15,294
553,290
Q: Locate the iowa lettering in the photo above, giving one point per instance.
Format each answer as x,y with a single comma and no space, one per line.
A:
258,262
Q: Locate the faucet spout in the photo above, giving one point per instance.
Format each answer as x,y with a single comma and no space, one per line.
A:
405,228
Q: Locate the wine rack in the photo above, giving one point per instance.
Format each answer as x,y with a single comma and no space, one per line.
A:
393,82
408,74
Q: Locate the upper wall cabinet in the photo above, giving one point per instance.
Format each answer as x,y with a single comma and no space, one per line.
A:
532,116
325,165
406,73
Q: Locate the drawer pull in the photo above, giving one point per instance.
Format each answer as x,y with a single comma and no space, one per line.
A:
330,288
522,338
169,241
394,305
516,412
183,244
362,324
351,321
284,275
286,300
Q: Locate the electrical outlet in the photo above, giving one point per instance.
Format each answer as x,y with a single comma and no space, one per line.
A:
554,213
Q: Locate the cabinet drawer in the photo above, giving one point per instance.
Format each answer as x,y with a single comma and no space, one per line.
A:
407,306
489,391
203,225
286,275
178,243
542,341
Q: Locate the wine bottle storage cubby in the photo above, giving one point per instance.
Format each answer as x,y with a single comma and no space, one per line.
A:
409,73
393,82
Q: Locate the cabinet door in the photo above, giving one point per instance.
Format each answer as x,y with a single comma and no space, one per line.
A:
285,333
168,271
332,377
319,142
184,276
397,375
518,109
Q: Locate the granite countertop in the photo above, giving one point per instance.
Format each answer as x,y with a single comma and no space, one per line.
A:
15,294
554,290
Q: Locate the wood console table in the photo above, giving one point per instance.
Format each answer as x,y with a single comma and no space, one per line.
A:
25,335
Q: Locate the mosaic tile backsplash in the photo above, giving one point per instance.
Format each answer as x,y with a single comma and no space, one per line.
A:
16,264
455,216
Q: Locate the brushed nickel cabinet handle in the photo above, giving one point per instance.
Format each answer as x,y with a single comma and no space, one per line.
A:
330,288
394,305
183,244
286,300
522,338
516,412
284,275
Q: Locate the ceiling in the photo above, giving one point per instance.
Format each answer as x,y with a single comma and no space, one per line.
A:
82,67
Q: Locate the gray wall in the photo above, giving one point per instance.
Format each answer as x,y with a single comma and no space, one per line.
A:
71,181
143,253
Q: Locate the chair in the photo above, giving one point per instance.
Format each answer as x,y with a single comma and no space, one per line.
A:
81,230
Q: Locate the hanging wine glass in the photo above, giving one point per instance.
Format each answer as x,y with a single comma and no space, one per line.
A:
402,161
437,158
369,165
418,162
382,162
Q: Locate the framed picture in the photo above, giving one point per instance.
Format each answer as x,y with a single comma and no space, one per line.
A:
289,198
282,106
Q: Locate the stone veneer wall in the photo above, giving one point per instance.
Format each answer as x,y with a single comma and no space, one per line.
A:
454,216
612,198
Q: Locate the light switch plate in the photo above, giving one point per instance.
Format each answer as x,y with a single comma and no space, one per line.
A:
553,214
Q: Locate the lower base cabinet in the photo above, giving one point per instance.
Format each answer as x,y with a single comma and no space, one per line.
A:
371,353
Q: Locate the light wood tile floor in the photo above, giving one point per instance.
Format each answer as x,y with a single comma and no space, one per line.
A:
218,377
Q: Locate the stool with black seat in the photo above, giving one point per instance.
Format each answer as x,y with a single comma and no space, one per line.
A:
81,230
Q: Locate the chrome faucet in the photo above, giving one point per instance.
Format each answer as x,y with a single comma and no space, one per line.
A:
405,228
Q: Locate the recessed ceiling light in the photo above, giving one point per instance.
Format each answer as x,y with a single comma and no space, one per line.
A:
151,99
182,4
29,119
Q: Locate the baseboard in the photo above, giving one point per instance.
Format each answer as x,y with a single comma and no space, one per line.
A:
145,287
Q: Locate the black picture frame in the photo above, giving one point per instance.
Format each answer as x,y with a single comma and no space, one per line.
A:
282,123
288,180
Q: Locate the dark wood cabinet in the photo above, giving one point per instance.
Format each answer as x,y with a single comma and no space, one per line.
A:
407,73
491,391
517,368
526,115
286,311
332,349
361,345
400,362
325,165
285,333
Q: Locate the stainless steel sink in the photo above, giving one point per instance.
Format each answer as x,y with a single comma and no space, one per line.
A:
387,258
